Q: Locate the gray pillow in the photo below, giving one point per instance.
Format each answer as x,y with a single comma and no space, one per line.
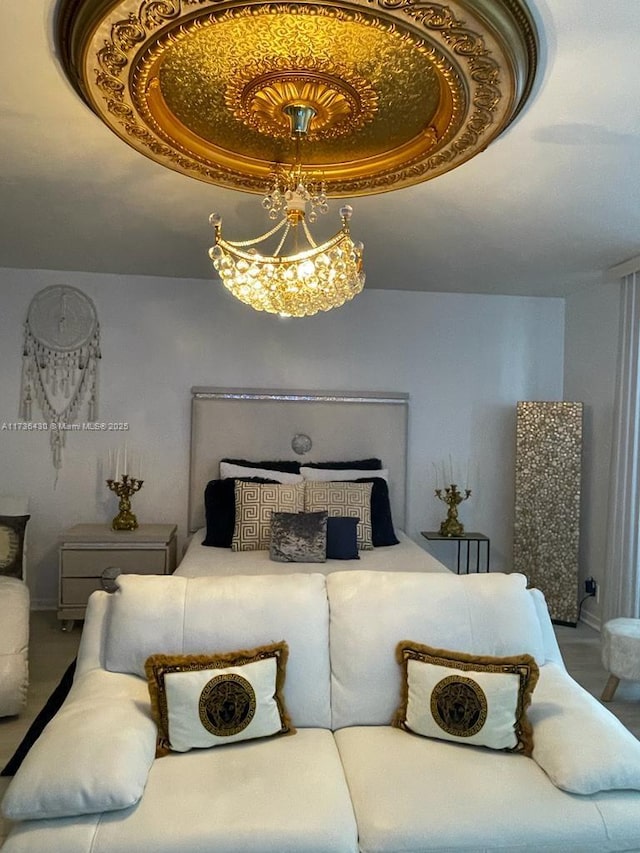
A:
298,537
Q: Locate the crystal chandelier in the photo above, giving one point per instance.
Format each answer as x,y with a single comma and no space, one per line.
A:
312,277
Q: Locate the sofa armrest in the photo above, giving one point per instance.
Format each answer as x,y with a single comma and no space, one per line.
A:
92,642
94,756
14,613
578,743
14,645
551,647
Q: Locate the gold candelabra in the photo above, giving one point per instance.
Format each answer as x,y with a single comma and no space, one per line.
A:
124,488
451,526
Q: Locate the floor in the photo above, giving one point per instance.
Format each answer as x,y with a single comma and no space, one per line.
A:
52,650
581,652
50,653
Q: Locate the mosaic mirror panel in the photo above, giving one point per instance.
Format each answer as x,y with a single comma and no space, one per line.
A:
547,502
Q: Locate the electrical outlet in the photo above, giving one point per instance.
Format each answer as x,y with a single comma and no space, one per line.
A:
591,587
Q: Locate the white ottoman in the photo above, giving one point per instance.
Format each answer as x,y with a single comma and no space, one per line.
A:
620,653
14,645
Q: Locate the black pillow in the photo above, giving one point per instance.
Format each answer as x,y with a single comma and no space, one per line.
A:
356,465
220,509
284,465
382,532
342,538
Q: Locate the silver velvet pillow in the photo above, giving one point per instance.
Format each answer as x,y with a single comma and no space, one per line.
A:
298,537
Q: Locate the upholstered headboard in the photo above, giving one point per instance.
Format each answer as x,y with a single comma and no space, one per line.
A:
262,424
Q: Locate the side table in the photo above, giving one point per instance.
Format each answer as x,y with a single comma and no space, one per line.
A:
467,539
86,550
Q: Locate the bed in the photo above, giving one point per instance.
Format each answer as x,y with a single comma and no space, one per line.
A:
308,427
202,561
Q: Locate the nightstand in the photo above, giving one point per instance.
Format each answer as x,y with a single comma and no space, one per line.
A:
467,539
86,550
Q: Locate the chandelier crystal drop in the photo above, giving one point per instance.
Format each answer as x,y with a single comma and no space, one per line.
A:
313,277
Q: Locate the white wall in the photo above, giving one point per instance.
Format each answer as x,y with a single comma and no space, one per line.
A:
464,359
591,351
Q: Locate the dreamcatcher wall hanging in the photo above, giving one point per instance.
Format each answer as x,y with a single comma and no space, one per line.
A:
60,361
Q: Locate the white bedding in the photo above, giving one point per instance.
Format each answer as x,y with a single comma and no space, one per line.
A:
200,560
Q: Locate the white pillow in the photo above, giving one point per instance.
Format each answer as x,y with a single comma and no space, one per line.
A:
578,743
228,470
324,475
200,701
94,756
468,699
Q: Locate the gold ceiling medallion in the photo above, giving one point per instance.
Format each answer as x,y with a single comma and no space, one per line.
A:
402,90
343,101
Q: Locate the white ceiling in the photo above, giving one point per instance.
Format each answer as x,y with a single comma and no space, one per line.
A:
546,210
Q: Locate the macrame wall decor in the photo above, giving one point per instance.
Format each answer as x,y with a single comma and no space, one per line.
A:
60,361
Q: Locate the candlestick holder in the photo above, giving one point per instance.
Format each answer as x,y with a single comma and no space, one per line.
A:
124,488
451,526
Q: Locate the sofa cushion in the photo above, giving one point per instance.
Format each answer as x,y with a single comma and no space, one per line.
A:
160,614
581,746
484,614
199,701
94,756
280,795
468,699
414,794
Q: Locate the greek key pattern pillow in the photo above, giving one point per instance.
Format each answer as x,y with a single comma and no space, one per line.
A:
478,700
255,503
343,499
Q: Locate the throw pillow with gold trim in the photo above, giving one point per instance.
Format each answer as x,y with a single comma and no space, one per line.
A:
199,701
343,499
464,698
12,531
255,502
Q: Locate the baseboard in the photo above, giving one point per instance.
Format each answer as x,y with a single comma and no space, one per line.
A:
591,620
43,604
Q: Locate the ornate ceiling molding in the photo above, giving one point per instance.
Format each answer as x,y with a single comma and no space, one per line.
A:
404,90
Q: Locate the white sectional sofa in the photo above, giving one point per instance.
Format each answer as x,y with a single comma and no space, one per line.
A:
346,781
14,645
14,607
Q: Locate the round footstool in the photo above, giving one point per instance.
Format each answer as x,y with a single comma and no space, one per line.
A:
620,653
